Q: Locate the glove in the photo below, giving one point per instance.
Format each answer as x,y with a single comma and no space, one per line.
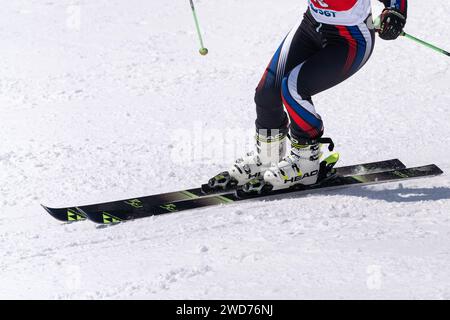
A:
392,23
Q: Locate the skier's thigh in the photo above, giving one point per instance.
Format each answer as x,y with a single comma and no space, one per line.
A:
322,71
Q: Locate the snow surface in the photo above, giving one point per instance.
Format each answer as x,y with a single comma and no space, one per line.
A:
96,97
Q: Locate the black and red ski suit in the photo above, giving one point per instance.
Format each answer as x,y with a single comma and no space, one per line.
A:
315,56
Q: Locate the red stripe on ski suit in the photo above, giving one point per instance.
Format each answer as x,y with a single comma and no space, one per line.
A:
402,6
352,46
262,82
305,126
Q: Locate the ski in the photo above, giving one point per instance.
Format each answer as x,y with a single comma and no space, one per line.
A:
117,213
75,214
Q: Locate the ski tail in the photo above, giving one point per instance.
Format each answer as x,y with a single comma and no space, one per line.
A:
66,214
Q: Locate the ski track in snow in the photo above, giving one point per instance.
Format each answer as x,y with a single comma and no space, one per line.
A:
90,94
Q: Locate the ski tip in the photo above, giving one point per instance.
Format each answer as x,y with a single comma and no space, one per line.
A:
436,170
430,170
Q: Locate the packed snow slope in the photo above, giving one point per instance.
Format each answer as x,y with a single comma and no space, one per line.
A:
110,99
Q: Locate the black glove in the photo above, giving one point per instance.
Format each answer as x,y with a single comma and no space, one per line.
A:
392,23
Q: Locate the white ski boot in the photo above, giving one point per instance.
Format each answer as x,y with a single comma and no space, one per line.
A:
270,149
303,166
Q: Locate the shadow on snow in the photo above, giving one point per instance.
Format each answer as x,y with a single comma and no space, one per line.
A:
399,195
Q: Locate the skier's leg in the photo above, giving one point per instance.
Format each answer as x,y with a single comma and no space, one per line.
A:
346,51
301,43
272,121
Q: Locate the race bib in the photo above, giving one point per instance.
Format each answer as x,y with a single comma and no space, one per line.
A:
340,12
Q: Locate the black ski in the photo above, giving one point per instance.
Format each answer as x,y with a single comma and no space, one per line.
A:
74,214
117,213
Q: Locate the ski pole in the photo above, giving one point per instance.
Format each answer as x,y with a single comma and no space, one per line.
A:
203,51
426,44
